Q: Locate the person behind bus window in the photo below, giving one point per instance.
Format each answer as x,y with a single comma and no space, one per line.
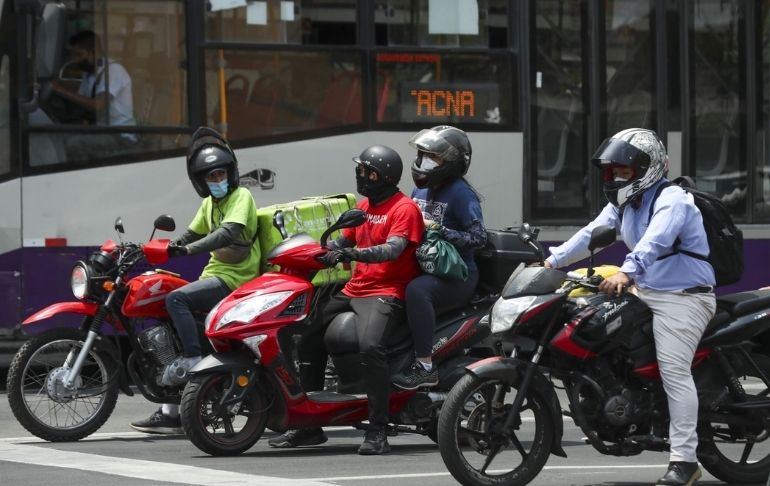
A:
450,205
676,286
226,226
384,251
104,94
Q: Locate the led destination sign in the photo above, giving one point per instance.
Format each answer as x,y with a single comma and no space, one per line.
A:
459,102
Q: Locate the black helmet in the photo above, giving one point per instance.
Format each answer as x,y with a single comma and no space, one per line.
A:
208,151
639,149
384,161
450,144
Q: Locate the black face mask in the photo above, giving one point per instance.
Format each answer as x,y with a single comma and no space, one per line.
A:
377,191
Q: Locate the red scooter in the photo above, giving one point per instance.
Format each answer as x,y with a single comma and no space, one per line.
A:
252,380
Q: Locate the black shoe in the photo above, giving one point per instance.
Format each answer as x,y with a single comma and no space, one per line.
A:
298,437
375,442
680,474
416,376
158,423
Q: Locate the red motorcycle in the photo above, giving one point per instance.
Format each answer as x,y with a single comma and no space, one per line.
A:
251,381
64,382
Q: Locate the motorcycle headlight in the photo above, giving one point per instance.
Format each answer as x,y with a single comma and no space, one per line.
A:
79,280
506,311
251,307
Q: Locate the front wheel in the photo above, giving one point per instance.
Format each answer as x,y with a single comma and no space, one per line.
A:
738,453
473,443
221,429
42,402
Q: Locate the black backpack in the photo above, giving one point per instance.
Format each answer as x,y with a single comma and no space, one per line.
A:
724,238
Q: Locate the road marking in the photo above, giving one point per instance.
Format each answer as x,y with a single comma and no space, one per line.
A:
138,469
429,475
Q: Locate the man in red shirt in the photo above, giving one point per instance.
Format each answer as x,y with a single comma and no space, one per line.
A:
385,254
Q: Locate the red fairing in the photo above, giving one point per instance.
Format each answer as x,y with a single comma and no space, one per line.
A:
156,251
563,340
85,308
300,259
652,372
108,246
267,283
147,294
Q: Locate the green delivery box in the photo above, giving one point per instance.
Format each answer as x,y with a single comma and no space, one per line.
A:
311,215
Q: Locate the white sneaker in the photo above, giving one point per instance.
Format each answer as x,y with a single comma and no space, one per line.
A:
177,373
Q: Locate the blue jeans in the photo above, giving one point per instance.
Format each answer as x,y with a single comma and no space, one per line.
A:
199,296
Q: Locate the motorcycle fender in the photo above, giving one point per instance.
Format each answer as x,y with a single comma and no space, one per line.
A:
511,370
230,361
85,308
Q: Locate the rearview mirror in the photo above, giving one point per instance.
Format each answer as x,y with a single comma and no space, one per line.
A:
119,225
602,236
348,219
164,222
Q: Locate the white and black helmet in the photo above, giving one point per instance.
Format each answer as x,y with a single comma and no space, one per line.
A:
637,148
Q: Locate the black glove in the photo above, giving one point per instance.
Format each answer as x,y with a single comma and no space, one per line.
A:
330,258
333,257
175,249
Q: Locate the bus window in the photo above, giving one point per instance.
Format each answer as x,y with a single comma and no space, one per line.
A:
442,23
281,22
444,88
258,93
5,116
120,64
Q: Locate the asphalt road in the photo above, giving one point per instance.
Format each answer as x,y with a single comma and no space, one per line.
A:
118,455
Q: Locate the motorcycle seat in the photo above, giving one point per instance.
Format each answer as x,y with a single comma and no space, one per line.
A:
341,337
719,318
743,303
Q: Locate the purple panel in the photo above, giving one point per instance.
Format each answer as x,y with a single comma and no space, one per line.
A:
46,279
10,302
756,271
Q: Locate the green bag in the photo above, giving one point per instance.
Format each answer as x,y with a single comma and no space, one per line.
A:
439,257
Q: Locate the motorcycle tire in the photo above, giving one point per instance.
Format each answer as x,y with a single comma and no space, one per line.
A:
202,425
36,375
726,461
466,446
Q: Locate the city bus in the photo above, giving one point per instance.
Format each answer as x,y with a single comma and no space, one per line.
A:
300,87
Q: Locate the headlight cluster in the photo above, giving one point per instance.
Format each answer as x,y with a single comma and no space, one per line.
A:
505,312
80,280
249,308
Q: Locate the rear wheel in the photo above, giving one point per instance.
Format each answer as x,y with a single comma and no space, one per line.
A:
473,444
225,430
42,402
739,453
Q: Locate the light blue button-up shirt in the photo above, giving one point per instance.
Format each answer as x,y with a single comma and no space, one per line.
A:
675,215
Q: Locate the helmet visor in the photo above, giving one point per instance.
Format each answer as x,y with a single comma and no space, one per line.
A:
432,142
614,151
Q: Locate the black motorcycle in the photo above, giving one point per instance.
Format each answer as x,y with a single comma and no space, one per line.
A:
502,420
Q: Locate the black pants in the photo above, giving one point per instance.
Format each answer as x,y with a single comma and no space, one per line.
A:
376,318
425,296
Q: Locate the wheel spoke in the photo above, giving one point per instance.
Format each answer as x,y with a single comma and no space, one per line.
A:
747,452
490,457
519,447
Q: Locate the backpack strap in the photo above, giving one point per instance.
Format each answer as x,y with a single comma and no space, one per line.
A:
677,241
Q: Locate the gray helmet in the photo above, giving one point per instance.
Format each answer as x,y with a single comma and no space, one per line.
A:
450,144
637,148
209,150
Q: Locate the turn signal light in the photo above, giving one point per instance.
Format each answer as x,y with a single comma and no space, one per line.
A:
108,285
242,380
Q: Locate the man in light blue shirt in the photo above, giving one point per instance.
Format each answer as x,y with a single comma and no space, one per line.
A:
677,287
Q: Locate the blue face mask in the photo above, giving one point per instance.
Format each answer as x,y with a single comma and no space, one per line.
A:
218,189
